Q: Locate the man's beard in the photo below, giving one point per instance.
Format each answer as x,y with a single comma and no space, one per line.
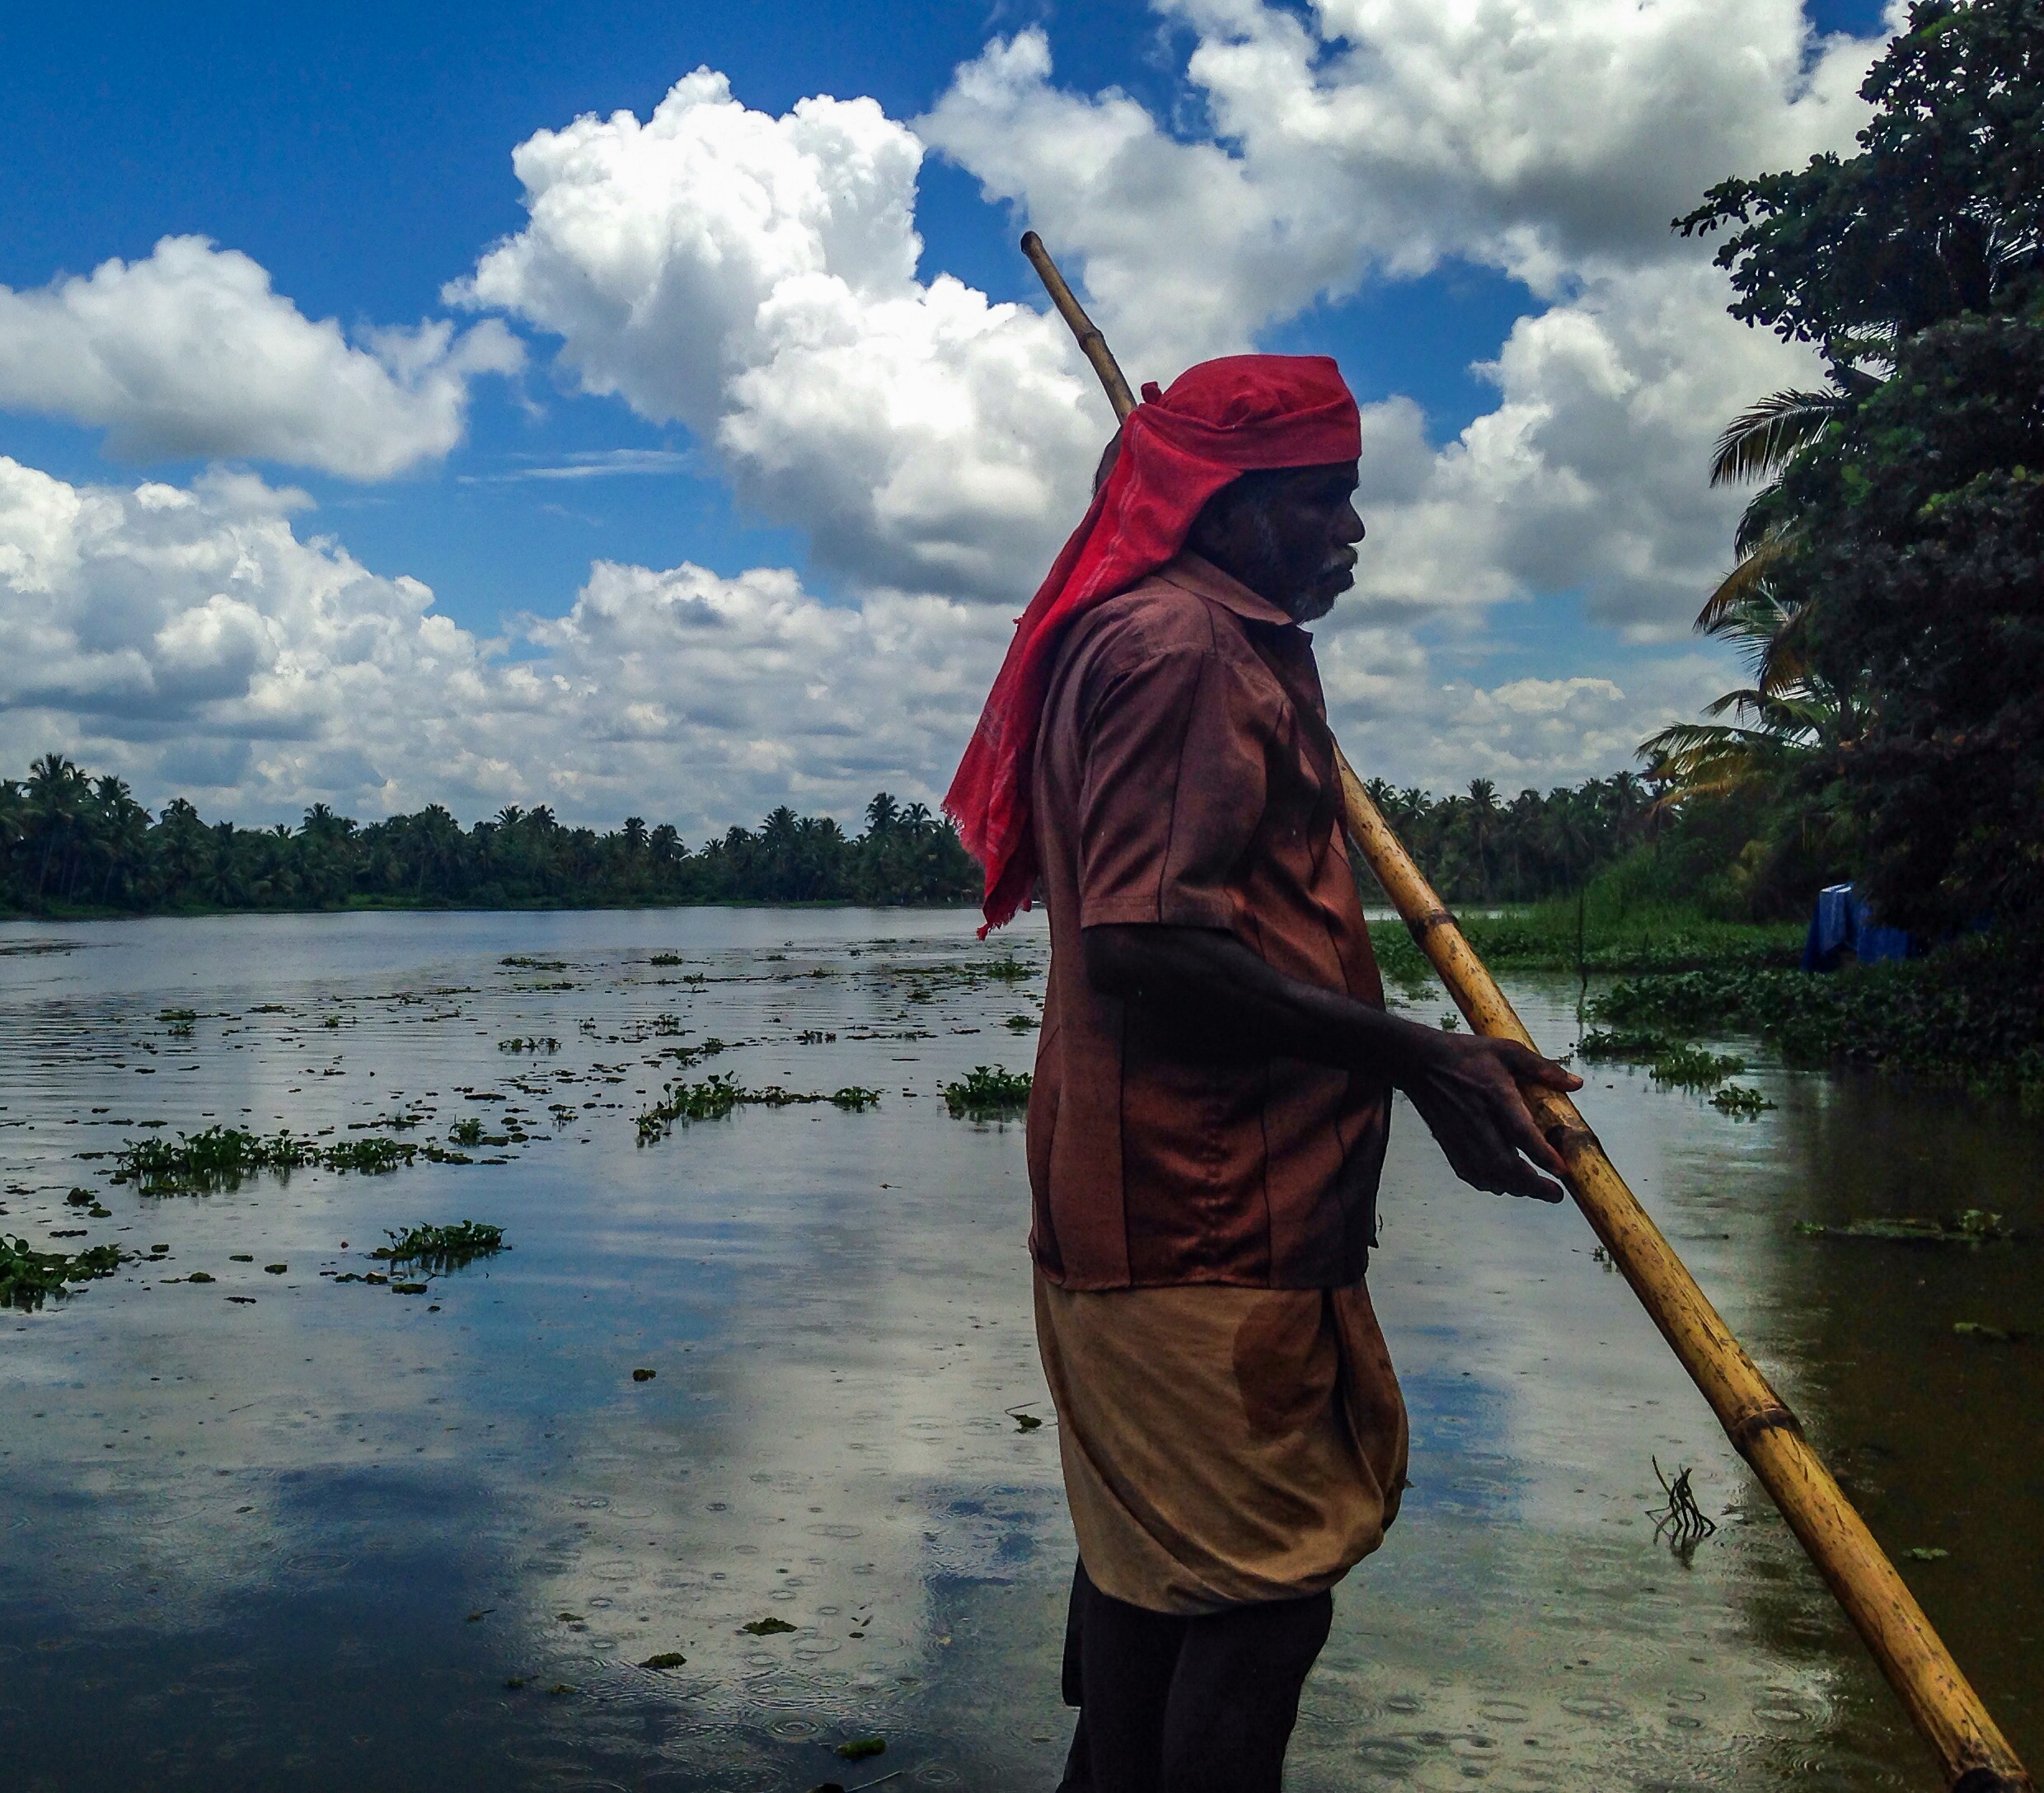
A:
1316,597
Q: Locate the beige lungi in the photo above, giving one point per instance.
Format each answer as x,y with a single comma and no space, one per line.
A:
1222,1446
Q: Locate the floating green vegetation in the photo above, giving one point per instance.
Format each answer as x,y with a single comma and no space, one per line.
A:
219,1157
666,958
525,961
469,1132
441,1248
1627,1045
371,1156
1694,1068
29,1277
986,1093
1669,1060
1975,1226
1740,1100
211,1158
719,1094
1007,969
180,1030
860,1748
175,1016
666,1659
687,1055
530,1043
766,1627
1986,1334
1021,1024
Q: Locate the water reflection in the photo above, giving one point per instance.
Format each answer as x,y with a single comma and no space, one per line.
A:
316,1532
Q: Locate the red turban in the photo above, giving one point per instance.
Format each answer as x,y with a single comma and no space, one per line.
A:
1218,421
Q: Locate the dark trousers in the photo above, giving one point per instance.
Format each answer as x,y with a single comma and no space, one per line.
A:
1185,1705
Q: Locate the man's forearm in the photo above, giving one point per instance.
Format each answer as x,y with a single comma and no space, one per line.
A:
1223,1000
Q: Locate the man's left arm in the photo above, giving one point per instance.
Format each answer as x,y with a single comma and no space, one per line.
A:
1222,1000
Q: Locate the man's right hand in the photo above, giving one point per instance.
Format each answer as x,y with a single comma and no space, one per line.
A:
1467,1090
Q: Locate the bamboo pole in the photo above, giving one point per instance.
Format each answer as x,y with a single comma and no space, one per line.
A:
1972,1754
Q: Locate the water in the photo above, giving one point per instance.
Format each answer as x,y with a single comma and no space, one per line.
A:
279,1530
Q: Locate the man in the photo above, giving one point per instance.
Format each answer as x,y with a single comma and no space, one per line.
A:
1214,1074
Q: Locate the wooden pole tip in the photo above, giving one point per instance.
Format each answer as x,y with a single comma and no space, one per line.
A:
1031,242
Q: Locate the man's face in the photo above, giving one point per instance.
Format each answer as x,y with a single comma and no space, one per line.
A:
1289,535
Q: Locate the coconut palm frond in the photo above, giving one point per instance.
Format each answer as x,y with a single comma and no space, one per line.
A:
1766,434
1741,584
1782,664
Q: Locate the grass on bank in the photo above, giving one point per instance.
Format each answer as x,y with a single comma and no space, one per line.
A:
1604,933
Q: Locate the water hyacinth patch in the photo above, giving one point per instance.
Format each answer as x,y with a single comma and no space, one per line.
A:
1694,1068
442,1248
211,1158
719,1094
987,1092
28,1277
219,1157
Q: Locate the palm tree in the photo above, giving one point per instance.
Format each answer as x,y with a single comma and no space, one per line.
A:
1483,814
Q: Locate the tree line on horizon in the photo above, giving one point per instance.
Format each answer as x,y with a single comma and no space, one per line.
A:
72,842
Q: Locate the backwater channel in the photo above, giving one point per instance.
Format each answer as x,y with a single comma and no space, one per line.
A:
277,1530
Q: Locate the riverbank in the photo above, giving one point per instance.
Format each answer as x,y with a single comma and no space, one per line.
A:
1971,1013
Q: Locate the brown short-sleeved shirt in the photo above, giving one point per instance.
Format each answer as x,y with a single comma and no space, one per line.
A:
1185,775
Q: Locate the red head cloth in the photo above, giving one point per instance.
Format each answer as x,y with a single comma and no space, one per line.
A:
1219,419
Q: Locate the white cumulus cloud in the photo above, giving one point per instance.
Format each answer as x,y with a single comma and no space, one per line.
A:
1539,137
754,277
190,354
193,639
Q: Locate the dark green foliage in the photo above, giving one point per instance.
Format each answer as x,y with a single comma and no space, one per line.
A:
442,1248
1476,849
1929,576
861,1748
29,1277
987,1094
70,842
1899,557
1942,212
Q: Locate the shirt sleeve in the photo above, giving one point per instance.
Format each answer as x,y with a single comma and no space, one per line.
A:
1171,792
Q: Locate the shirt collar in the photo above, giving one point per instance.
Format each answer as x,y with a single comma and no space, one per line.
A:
1192,573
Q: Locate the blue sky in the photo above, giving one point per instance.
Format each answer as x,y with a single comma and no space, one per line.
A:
361,157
